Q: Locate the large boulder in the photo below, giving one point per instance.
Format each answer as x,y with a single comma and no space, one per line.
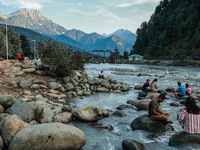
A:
143,122
141,105
142,94
169,89
46,115
132,145
65,117
6,101
138,87
23,109
119,113
184,138
88,113
10,126
93,81
152,95
50,136
53,85
125,87
106,85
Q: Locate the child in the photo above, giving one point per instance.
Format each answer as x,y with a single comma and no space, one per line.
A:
188,89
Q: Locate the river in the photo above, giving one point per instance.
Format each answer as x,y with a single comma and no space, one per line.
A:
98,139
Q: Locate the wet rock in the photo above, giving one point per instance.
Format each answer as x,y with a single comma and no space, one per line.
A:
53,85
175,104
152,95
124,106
23,109
183,102
105,113
102,89
142,94
169,89
132,145
50,136
184,138
65,117
102,126
6,101
119,113
69,86
138,87
10,126
152,136
141,105
143,122
125,87
88,113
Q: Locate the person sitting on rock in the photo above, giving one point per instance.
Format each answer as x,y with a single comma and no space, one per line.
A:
189,117
101,75
37,62
180,92
154,86
146,87
155,112
188,89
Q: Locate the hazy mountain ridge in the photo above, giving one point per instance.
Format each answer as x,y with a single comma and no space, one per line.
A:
34,20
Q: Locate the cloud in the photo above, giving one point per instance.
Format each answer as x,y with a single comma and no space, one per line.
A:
29,4
136,2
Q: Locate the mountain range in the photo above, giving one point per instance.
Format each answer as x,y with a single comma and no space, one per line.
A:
34,20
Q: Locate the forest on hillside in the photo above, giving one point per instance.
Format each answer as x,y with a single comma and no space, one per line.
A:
173,31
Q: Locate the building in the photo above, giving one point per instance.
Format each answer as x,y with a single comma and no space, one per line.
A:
135,57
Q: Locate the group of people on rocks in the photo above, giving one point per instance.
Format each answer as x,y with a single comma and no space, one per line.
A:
180,92
37,61
189,117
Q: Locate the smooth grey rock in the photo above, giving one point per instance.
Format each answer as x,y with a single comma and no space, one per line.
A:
124,106
141,105
1,109
119,113
152,95
142,94
29,70
132,145
1,142
106,85
93,81
86,93
88,113
69,107
23,109
184,138
49,136
47,115
138,87
93,88
39,82
103,89
67,79
6,101
3,115
35,86
143,122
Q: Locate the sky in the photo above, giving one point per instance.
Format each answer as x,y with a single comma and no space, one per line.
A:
101,16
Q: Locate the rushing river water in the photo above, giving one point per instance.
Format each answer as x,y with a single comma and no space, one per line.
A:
99,139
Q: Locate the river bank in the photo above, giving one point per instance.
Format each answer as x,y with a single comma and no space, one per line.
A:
186,63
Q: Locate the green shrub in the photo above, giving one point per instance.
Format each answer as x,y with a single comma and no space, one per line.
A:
59,59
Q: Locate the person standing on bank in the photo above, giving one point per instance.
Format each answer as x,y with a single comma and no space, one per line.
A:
154,86
180,92
146,87
155,113
189,117
101,75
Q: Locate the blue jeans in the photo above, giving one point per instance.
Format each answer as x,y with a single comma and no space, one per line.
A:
147,90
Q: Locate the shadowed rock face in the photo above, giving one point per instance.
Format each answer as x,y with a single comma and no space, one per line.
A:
184,138
143,122
132,145
49,136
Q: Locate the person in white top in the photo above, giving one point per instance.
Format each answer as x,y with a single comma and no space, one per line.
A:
101,75
37,62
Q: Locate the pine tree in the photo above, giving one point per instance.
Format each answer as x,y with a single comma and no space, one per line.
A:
25,46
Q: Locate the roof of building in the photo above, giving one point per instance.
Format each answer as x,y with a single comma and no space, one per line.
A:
135,55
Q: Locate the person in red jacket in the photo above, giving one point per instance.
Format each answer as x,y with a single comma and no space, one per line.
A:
19,57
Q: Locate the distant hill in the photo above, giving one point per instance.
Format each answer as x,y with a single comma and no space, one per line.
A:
172,32
34,20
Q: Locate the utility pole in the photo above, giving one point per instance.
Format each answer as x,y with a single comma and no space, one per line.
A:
6,39
34,49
